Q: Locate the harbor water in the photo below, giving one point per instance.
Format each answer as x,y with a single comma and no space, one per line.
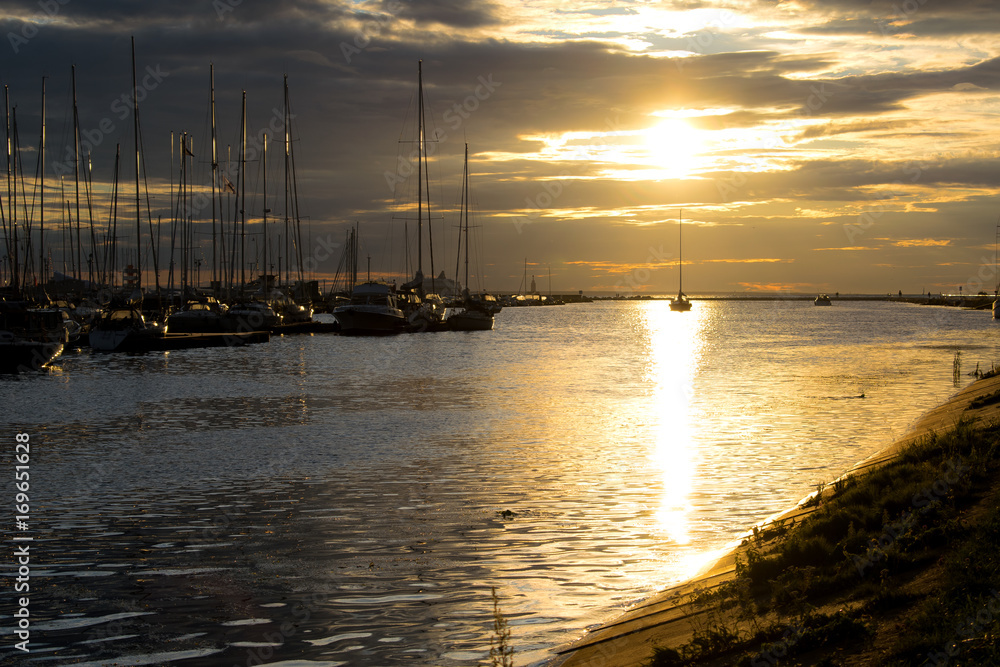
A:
326,500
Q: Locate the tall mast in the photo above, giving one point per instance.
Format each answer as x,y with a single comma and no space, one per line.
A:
420,163
243,192
76,175
288,176
215,178
465,203
41,208
7,233
680,253
135,132
185,228
11,198
264,221
297,237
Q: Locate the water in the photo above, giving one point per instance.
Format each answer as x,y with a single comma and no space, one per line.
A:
351,501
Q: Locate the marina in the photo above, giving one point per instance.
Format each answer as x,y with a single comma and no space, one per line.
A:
192,504
372,334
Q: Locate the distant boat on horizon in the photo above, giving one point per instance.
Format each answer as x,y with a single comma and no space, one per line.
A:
823,300
681,303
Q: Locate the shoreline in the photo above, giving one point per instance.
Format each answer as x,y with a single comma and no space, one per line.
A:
670,618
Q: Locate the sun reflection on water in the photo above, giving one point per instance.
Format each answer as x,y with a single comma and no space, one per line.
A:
675,342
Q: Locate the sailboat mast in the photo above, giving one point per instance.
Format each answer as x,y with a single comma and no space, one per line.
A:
8,234
420,164
12,195
243,193
41,208
287,180
215,178
185,277
465,203
680,253
296,237
76,175
264,221
135,132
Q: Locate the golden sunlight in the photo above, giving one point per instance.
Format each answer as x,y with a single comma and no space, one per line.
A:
673,143
673,352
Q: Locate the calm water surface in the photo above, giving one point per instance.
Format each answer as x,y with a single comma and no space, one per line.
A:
349,501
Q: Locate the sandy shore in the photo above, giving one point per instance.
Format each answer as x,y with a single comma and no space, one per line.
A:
669,619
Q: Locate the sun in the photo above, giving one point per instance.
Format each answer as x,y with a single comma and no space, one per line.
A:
673,143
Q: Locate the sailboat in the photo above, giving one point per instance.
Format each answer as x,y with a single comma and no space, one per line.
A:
681,303
373,310
375,307
477,311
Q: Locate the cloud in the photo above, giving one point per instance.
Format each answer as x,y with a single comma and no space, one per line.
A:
454,13
922,243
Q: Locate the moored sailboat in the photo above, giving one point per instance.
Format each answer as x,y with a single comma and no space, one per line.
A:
681,303
477,311
373,310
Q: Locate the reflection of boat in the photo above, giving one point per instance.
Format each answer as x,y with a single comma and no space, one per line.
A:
373,310
681,303
29,338
477,311
823,300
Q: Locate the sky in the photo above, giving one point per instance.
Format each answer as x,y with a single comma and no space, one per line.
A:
837,146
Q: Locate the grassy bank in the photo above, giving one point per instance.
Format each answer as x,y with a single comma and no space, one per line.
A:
899,565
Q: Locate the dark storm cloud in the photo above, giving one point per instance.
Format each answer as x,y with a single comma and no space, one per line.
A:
455,13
